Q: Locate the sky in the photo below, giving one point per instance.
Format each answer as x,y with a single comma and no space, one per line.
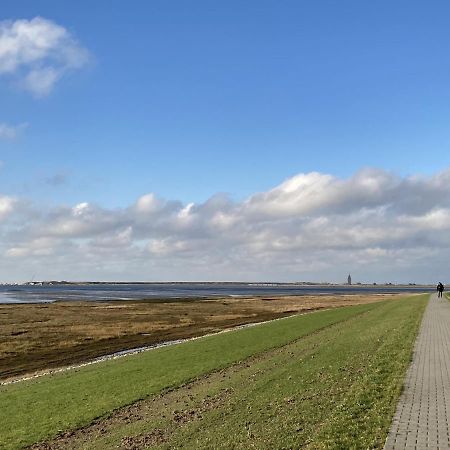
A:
248,141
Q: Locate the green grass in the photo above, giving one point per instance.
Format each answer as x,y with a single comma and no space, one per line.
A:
346,378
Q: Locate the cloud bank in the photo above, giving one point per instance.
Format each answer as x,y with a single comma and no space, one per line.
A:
313,226
37,53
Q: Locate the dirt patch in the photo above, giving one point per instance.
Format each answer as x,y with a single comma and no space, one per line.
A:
144,441
173,409
37,337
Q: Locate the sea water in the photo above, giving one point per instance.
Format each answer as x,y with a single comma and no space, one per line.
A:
104,292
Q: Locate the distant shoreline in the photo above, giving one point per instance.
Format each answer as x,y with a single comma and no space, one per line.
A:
238,283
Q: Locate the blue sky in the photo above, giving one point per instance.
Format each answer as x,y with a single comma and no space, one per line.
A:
191,99
185,101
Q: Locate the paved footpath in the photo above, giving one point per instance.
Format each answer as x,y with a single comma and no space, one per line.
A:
422,419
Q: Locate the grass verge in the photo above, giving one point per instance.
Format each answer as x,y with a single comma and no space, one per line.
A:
344,369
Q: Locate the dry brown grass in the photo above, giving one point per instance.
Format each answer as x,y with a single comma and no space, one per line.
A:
40,336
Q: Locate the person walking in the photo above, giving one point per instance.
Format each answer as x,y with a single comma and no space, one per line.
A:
440,289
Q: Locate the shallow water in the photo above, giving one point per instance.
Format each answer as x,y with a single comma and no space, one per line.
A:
86,292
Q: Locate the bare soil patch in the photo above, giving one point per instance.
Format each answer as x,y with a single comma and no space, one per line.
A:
35,337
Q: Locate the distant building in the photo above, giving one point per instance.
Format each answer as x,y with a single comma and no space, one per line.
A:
349,279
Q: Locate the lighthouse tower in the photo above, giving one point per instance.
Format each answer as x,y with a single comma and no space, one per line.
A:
349,279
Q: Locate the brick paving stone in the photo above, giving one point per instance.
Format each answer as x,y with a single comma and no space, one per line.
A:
422,419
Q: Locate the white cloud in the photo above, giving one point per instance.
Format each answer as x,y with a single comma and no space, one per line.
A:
148,203
80,209
41,81
313,226
11,132
37,53
6,206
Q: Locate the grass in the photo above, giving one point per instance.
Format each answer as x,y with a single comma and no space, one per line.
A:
323,380
36,337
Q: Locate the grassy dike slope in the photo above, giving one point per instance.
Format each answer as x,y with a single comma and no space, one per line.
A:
346,366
